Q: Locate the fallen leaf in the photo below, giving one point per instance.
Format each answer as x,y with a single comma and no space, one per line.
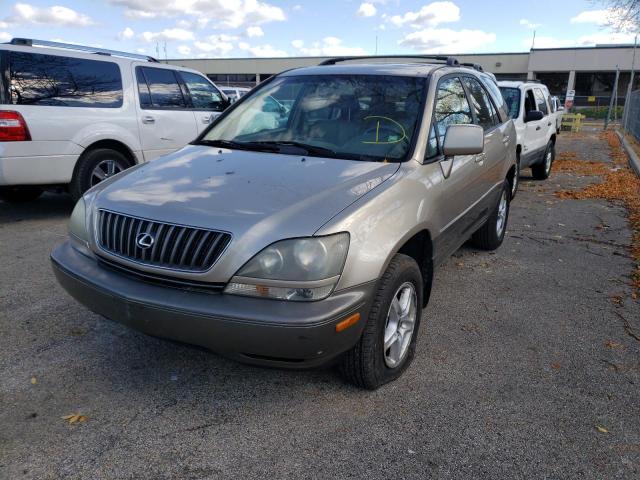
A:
34,380
601,429
459,264
555,366
75,418
610,344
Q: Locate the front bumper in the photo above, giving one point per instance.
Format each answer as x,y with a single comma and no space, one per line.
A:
253,330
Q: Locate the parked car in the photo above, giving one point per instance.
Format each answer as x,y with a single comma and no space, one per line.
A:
313,239
529,104
557,111
74,116
235,93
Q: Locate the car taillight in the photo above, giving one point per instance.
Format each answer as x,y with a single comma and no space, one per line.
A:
13,128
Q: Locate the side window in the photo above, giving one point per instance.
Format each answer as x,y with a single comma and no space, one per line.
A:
485,113
143,89
451,107
164,89
432,142
52,80
541,101
529,102
204,96
494,92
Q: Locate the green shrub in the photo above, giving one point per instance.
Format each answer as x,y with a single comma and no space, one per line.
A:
598,112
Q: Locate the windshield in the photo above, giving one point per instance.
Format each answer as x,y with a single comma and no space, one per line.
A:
512,98
359,117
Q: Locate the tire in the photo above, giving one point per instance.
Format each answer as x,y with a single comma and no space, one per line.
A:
516,178
367,364
491,234
542,170
20,194
106,160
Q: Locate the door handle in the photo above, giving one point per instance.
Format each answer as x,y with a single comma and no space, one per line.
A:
549,124
506,139
480,157
207,120
148,119
538,127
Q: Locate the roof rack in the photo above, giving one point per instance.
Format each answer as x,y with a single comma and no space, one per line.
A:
450,61
30,42
475,66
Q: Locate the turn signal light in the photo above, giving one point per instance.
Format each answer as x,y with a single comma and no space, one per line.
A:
13,128
348,322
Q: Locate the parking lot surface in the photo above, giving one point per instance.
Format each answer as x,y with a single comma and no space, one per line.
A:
527,366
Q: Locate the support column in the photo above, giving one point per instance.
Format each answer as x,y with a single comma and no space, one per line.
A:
571,83
531,75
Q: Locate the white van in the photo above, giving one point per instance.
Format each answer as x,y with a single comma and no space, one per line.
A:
72,116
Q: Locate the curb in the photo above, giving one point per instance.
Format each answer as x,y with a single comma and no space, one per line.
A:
634,160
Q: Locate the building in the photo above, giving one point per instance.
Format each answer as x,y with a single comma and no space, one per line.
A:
590,71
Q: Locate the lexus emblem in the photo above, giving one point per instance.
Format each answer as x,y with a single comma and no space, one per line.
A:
144,240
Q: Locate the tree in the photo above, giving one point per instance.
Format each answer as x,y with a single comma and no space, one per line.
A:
625,14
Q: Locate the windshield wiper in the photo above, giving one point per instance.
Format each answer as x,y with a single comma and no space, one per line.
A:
310,149
259,146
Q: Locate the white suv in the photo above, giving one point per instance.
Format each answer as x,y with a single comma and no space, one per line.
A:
72,116
529,104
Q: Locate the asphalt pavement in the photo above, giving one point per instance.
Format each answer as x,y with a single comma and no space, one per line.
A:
526,367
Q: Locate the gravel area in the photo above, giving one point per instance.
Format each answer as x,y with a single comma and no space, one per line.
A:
526,367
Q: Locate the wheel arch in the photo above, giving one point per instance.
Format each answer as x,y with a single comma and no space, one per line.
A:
420,248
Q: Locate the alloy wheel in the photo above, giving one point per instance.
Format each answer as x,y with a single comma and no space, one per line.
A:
400,324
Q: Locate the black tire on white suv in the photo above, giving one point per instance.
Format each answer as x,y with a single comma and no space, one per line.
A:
92,162
542,170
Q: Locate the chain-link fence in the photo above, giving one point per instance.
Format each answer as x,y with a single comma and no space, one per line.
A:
633,115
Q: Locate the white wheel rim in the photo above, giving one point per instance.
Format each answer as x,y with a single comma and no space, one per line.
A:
502,214
547,161
516,178
104,170
401,320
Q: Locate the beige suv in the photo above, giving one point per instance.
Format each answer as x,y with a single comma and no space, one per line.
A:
304,226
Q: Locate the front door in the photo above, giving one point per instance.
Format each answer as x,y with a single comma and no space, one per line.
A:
206,100
534,134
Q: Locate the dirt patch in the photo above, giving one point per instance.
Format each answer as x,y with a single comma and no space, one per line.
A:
620,184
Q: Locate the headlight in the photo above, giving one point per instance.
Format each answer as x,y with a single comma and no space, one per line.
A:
78,222
301,269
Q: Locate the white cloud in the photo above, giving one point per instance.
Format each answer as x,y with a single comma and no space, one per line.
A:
328,47
598,38
222,13
262,50
429,15
218,45
126,34
297,8
24,14
5,37
529,24
367,10
255,32
168,34
444,40
599,17
184,50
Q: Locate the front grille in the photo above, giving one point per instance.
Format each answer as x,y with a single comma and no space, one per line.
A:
175,247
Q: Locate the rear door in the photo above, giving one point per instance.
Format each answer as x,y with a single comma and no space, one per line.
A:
205,99
166,120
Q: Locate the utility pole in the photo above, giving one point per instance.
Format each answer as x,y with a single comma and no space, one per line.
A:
376,45
533,42
625,116
614,95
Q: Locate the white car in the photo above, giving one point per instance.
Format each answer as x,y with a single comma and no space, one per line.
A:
529,104
235,93
557,109
72,116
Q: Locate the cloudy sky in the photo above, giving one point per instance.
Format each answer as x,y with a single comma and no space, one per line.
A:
270,28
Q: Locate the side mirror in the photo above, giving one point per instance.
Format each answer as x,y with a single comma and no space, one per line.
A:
463,140
533,116
561,109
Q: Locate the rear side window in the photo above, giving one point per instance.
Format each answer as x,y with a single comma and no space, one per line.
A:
52,80
485,113
163,87
204,96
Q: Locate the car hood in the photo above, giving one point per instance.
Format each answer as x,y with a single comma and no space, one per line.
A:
258,197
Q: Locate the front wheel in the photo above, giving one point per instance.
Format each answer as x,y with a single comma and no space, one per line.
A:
542,170
387,345
20,194
515,182
491,234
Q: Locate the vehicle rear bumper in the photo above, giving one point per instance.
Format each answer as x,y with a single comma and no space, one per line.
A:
261,331
38,170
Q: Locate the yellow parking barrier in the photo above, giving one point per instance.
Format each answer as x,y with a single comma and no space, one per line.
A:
572,121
